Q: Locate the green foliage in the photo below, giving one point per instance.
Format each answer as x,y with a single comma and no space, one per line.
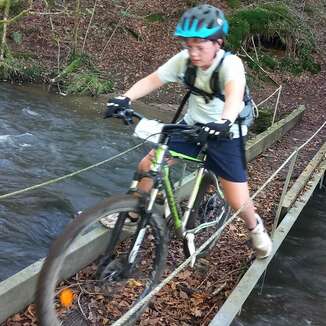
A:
16,6
21,70
17,37
274,25
155,17
291,65
297,66
88,83
269,61
240,32
263,121
233,3
308,9
80,76
75,61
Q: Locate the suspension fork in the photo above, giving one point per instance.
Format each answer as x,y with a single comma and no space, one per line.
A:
156,168
192,198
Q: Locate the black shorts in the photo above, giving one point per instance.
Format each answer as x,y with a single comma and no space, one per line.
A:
225,157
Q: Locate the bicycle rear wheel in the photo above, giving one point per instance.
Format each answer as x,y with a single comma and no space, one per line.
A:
131,268
209,213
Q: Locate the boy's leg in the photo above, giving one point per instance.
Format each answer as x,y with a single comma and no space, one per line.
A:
236,194
146,184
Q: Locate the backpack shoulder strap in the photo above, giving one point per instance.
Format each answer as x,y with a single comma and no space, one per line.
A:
214,83
190,74
190,79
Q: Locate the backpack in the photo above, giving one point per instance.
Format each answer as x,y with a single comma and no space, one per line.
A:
246,116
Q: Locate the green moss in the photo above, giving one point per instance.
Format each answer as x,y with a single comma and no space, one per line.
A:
155,17
268,61
20,70
233,3
273,25
308,9
240,31
263,121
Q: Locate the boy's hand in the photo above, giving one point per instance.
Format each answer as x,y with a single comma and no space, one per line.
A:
217,127
115,105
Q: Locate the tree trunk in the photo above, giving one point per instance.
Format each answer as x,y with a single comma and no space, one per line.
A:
3,43
76,26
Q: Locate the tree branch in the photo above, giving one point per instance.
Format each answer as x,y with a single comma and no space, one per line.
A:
89,25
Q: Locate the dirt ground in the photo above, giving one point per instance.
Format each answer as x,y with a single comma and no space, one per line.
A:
194,296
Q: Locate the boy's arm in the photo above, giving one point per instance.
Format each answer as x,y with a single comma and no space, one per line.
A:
138,90
144,87
233,93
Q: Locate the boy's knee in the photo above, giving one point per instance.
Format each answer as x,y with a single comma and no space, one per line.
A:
145,164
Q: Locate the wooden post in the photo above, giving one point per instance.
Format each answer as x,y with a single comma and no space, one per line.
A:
285,188
276,104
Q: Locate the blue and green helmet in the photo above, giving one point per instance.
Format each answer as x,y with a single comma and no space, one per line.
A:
203,21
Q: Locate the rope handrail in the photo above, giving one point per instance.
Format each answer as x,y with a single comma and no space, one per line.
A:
70,174
43,184
122,320
270,96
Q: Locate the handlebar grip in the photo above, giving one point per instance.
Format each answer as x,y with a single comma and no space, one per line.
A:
137,115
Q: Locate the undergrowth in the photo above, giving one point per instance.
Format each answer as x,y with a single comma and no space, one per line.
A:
20,70
81,76
274,25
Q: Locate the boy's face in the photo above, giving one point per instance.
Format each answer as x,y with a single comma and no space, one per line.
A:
202,52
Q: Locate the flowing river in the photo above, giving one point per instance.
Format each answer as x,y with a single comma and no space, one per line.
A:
45,136
294,288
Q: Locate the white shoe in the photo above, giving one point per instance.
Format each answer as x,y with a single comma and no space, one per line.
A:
109,220
261,242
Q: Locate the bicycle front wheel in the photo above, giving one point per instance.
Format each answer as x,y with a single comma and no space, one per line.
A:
209,213
129,270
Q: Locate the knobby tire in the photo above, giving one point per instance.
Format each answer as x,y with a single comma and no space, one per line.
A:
155,240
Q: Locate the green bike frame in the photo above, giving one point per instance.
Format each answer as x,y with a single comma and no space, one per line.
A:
158,166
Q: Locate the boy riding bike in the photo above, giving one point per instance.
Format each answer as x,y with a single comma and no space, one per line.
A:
202,29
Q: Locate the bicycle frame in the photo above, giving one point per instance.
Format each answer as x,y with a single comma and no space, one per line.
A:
160,173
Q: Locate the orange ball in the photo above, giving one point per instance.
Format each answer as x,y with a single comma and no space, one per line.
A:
66,297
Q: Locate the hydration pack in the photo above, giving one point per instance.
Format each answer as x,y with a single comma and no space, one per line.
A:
246,116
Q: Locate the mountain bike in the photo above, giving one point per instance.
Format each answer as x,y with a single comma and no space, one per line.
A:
128,270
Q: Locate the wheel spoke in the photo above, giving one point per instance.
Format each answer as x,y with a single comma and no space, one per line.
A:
128,270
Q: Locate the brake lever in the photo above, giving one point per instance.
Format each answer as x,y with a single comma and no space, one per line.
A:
126,116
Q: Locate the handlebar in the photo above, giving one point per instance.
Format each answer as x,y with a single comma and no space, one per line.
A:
195,132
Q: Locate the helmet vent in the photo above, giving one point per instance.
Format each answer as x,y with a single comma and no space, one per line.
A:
200,24
192,21
211,24
183,23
